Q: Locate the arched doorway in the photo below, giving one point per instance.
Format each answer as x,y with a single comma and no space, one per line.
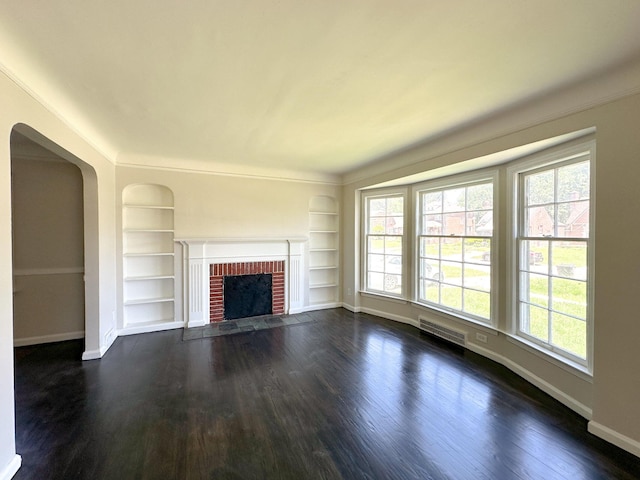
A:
76,273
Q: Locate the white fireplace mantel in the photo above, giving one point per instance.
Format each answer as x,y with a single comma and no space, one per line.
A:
200,253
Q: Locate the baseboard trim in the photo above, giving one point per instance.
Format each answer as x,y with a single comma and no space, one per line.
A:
543,385
390,316
56,337
351,308
11,469
94,354
610,435
152,327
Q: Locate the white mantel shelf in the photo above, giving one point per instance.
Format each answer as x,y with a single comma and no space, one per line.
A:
200,253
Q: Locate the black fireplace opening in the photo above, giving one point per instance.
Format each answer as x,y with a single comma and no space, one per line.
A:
247,295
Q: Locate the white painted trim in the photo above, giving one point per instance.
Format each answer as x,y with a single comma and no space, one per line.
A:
94,354
351,308
226,170
11,468
158,327
610,435
196,323
320,306
543,385
56,337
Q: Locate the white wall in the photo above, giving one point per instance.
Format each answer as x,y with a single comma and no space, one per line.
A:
611,399
229,206
19,107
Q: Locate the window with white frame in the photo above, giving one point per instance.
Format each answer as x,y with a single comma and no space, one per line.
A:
384,244
553,218
455,248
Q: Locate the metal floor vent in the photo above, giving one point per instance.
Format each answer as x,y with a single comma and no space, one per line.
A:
446,333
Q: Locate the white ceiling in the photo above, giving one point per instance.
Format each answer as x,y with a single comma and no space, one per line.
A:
320,86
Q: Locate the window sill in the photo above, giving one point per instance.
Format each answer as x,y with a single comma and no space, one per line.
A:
580,371
382,296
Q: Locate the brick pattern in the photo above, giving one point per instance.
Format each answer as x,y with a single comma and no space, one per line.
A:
220,270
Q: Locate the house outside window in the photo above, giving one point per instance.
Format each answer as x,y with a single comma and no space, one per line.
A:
384,243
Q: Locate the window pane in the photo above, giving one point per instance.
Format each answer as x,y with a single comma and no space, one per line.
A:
480,197
452,297
477,250
540,221
536,322
430,291
393,226
534,256
535,289
570,297
477,303
377,207
573,182
539,188
432,225
430,270
430,247
376,263
452,272
432,202
573,219
454,200
570,334
375,281
570,259
393,245
452,249
477,277
392,283
395,206
375,244
480,223
453,223
376,225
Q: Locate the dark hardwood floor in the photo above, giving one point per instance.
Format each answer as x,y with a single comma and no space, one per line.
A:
346,396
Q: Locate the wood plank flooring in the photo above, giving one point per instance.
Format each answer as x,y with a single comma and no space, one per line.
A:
345,396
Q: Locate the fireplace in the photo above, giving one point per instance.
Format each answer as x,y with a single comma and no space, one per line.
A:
207,261
235,289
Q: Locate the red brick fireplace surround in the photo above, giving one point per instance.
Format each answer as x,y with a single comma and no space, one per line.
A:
219,270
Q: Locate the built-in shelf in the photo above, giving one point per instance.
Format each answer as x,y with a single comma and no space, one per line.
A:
323,252
148,256
142,301
151,207
148,277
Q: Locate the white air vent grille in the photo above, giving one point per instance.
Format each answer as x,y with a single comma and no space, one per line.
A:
446,333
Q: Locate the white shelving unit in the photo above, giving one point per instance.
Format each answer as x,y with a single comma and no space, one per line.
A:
324,255
148,259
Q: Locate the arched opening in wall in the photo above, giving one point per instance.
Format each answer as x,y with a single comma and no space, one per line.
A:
53,194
